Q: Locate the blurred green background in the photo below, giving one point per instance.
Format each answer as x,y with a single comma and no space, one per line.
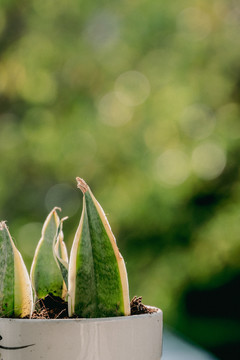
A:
142,100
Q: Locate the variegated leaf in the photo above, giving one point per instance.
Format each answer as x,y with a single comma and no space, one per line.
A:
98,283
46,276
16,298
60,253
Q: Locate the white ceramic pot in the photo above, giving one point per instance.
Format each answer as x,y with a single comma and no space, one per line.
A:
137,337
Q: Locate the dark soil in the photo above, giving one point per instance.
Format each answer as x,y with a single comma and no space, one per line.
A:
137,307
53,307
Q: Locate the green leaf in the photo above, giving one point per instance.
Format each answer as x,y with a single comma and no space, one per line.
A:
98,283
46,275
16,298
60,252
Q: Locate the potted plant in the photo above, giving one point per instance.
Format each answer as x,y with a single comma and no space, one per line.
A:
77,308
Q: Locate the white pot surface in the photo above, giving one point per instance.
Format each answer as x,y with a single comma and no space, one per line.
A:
137,337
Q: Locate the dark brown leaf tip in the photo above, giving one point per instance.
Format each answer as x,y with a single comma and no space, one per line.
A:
82,185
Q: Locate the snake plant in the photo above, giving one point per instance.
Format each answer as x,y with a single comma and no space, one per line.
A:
94,281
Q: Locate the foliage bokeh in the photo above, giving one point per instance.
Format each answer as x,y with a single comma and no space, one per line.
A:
141,99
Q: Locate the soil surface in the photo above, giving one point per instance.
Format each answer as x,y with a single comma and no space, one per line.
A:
137,307
53,307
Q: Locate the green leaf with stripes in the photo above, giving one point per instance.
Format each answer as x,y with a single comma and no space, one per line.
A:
16,298
98,283
46,275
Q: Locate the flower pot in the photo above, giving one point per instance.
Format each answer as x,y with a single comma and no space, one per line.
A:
137,337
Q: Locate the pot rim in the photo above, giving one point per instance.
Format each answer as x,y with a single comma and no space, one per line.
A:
103,319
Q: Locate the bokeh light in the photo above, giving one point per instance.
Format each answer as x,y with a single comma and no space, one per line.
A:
197,121
132,88
173,167
112,112
208,160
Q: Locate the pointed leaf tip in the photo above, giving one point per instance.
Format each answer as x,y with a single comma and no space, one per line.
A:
82,185
2,225
57,208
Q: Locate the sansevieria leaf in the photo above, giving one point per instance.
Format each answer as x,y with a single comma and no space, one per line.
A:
98,283
16,298
46,275
60,253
